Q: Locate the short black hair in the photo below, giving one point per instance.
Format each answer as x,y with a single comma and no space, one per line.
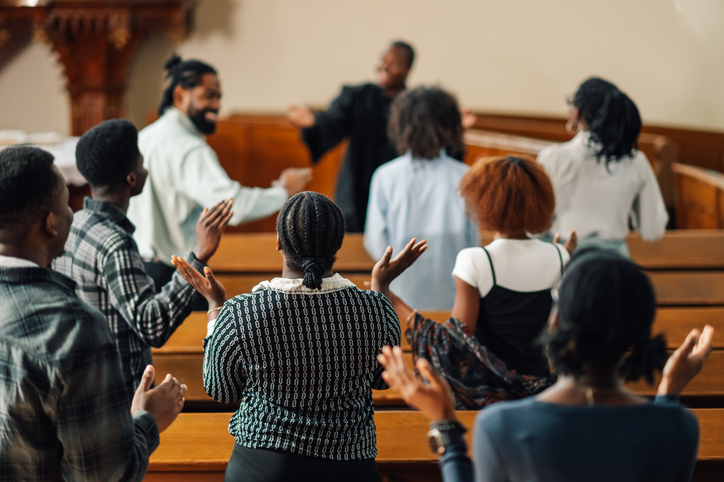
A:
310,229
612,118
108,152
407,49
28,184
186,73
605,311
425,120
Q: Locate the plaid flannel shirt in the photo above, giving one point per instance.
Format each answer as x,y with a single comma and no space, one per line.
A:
102,258
63,414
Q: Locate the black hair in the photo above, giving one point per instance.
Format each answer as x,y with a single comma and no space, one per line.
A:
310,229
186,73
407,49
606,307
107,152
613,119
28,184
425,120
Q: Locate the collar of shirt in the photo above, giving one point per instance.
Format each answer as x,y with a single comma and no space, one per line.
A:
13,262
288,285
110,210
30,274
177,115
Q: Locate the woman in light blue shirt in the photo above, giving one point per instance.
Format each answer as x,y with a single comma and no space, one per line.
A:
416,196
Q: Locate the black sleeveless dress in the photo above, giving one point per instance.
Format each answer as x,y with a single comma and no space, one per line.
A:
510,321
500,360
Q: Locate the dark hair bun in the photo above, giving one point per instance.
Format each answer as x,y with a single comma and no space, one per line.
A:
313,271
172,62
647,357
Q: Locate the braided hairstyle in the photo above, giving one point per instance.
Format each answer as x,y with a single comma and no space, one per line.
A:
186,73
605,311
310,229
612,118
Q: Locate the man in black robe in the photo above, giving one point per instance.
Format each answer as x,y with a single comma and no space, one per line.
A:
360,113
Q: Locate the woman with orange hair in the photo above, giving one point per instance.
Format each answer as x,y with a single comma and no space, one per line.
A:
487,350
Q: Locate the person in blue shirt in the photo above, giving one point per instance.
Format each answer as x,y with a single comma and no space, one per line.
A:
416,196
587,426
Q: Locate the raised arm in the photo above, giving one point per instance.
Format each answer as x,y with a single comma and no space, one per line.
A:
154,316
330,127
686,362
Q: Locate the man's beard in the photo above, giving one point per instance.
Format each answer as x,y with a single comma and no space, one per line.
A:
198,117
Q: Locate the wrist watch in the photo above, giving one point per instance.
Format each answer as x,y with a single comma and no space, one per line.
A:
444,432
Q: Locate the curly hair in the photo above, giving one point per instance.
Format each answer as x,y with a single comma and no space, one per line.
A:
107,152
605,311
28,184
510,195
310,229
425,120
612,118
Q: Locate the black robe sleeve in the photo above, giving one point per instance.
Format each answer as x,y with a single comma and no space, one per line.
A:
331,126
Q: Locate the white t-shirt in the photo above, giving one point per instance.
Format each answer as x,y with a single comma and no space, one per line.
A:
597,201
524,265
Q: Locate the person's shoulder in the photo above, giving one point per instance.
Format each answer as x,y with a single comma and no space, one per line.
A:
471,253
501,417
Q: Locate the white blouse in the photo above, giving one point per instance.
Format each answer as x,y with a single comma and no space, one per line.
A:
597,201
523,265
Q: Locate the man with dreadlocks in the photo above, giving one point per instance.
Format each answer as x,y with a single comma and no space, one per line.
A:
184,174
300,352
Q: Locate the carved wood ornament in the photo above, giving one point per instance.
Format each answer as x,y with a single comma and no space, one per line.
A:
95,41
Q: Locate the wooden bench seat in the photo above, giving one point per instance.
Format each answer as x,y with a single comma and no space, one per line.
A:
197,447
182,356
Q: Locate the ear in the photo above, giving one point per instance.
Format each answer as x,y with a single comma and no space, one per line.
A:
131,180
49,223
279,244
180,98
555,324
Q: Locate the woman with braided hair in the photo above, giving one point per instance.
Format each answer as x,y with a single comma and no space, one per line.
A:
300,352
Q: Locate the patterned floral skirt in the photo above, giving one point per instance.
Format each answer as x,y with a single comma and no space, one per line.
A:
476,376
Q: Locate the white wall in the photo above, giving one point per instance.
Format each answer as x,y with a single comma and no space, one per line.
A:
519,56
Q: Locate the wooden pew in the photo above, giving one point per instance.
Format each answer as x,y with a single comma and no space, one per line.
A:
182,356
197,447
254,148
699,197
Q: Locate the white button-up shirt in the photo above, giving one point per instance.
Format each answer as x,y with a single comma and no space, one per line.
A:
184,176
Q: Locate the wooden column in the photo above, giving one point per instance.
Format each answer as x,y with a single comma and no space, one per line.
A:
95,41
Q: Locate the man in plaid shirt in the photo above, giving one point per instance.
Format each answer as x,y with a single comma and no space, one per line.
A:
63,410
102,257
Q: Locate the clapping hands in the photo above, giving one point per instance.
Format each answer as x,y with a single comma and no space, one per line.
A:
387,269
687,361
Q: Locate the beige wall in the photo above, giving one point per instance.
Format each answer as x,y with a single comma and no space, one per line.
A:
514,56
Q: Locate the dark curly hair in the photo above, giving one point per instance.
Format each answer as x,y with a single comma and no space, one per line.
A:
28,184
613,119
406,49
186,73
310,229
509,195
425,120
107,152
606,308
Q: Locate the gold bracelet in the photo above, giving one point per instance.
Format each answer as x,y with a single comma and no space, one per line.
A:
411,316
215,309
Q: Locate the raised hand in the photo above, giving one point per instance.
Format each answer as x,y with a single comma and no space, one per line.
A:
294,179
571,243
433,400
388,269
210,227
300,117
163,402
209,287
686,362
